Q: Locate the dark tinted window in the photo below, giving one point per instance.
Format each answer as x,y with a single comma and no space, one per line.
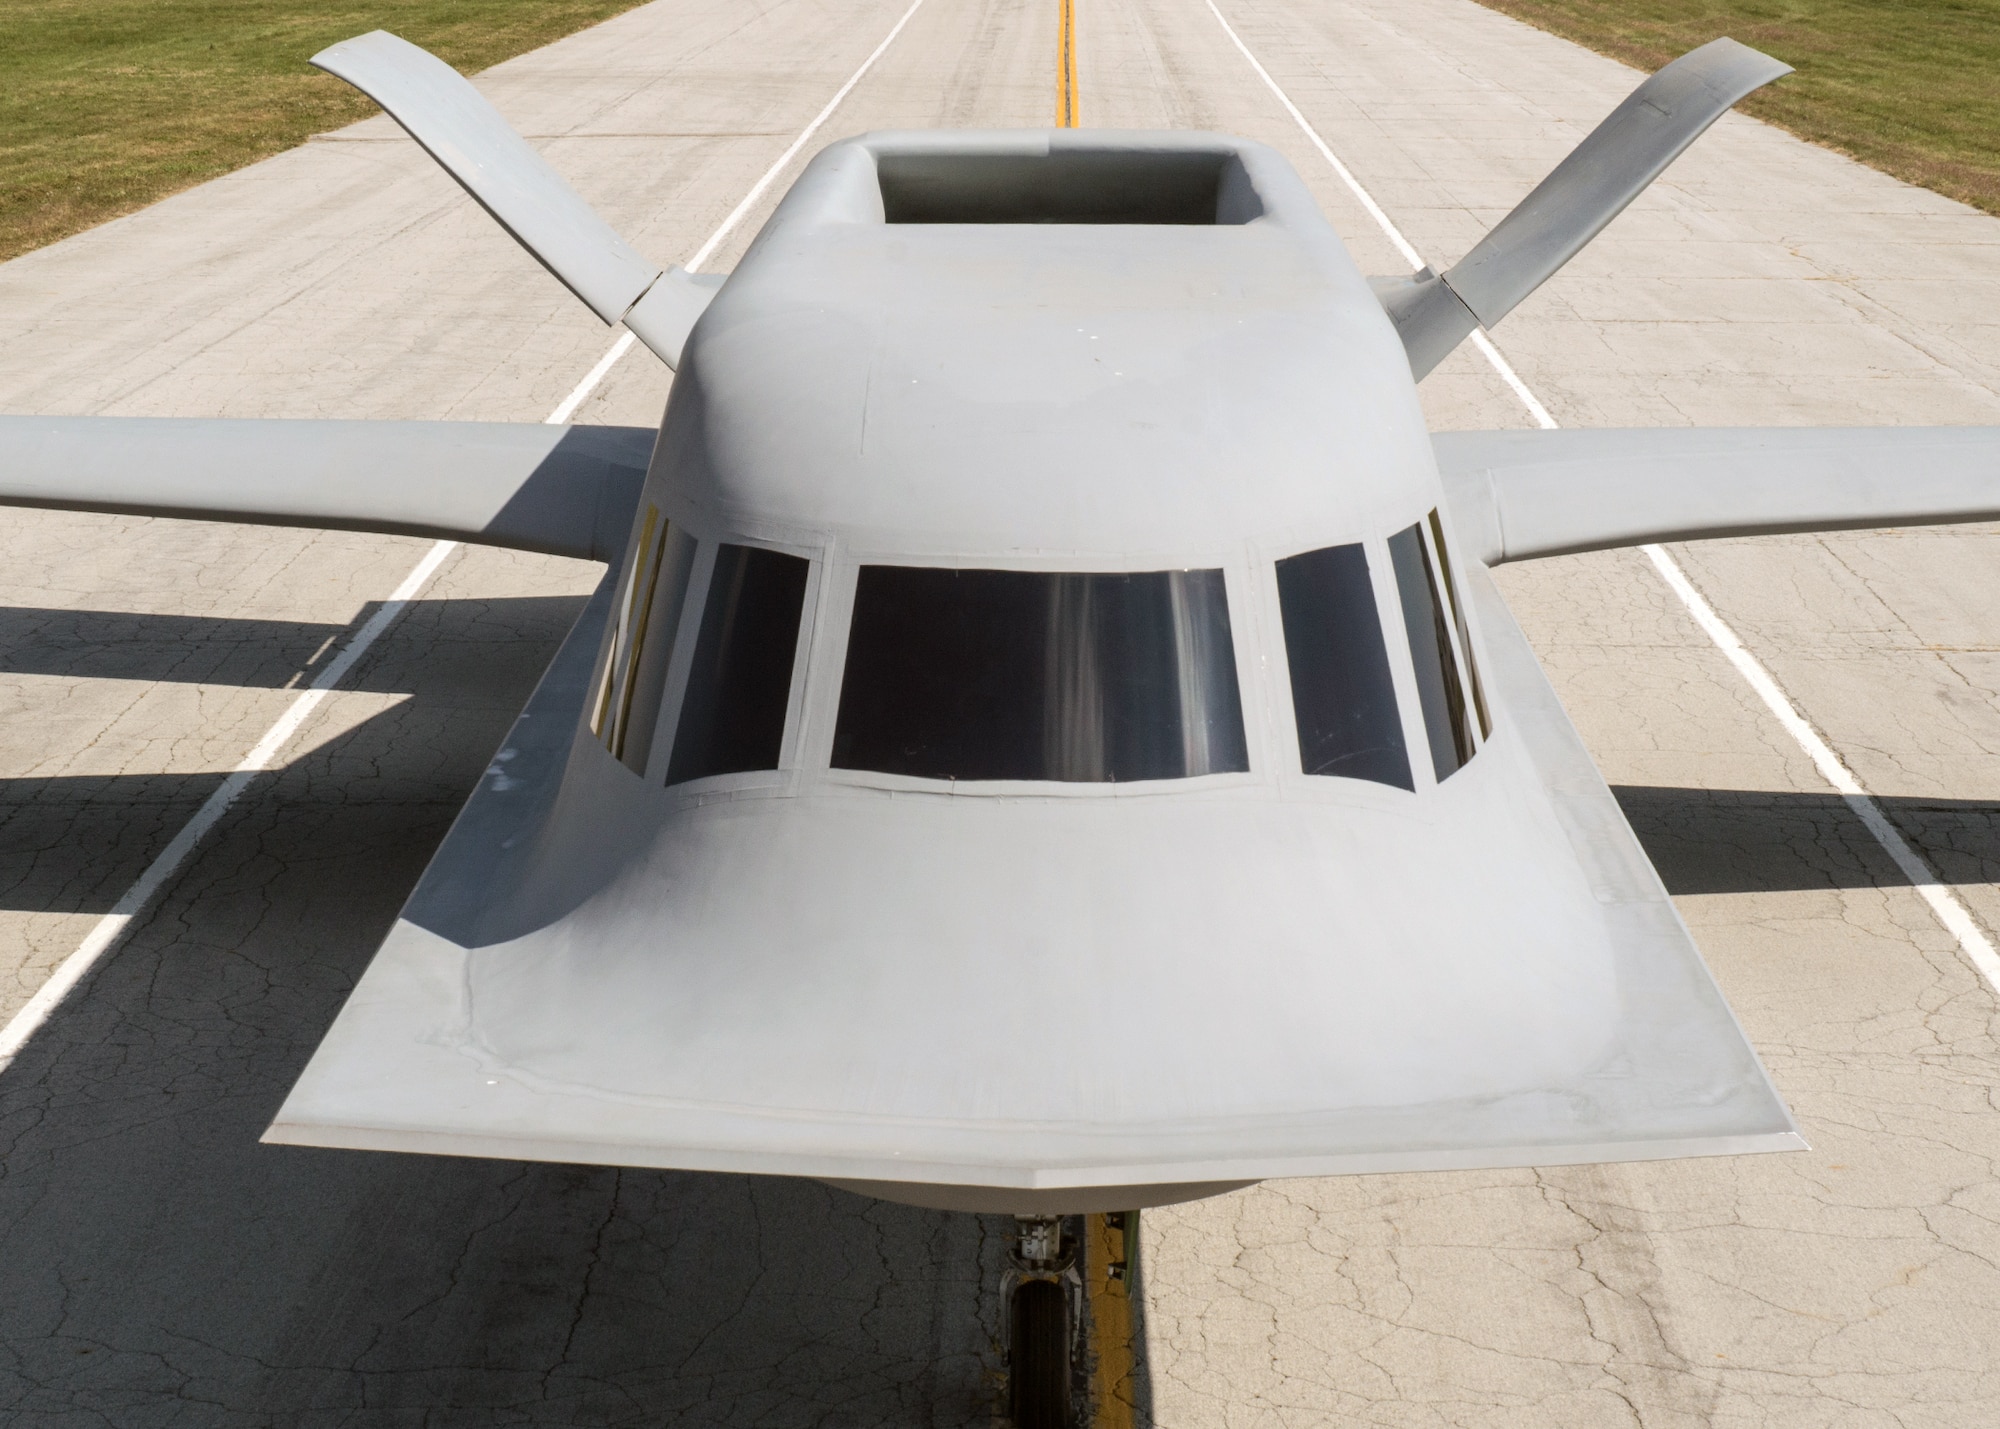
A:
1342,692
1112,185
1438,686
1039,675
733,716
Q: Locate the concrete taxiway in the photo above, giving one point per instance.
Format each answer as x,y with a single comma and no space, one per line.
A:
160,1267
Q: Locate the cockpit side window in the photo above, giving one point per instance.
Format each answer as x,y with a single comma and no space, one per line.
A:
1343,695
1081,678
628,702
1428,622
1458,622
739,683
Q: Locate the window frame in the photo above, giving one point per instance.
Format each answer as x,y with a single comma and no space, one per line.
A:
620,739
1374,554
1452,608
1250,583
618,657
674,692
1465,631
783,779
1290,759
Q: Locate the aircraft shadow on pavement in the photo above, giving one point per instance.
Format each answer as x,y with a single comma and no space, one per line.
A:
159,1266
1748,841
74,843
218,650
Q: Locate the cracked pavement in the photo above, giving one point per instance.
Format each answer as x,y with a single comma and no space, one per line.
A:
159,1267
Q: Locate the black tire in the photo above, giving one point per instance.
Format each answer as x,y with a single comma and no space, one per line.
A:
1038,1368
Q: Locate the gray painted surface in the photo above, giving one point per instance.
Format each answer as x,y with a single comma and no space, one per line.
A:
664,317
457,126
1593,185
466,135
1523,494
1430,318
1634,144
728,1035
789,972
561,490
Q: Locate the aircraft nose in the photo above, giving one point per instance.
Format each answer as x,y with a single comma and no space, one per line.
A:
1098,962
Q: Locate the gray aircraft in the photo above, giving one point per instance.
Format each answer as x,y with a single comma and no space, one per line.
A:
1047,741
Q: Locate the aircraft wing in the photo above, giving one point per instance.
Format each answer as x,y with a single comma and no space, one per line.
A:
566,491
1521,494
441,110
1435,312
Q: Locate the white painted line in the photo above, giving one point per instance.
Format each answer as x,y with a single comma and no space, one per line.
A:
112,925
1949,909
736,215
1367,200
567,407
1513,379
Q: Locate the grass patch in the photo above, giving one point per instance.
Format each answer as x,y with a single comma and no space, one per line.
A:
1911,87
108,105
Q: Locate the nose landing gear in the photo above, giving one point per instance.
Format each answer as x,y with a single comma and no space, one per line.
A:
1042,1323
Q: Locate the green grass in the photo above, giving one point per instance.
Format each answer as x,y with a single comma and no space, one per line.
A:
1909,86
107,105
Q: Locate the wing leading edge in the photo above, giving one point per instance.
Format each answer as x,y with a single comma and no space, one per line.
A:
565,491
1435,312
1522,494
441,110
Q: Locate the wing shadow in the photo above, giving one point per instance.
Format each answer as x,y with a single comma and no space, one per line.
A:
74,843
1747,841
215,650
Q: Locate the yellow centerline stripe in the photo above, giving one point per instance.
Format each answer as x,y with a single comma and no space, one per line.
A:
1066,66
1113,1358
1113,1361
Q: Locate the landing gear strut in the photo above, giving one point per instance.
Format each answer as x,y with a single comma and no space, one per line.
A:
1043,1290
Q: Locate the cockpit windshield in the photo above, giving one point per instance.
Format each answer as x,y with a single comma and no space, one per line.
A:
1044,675
1342,692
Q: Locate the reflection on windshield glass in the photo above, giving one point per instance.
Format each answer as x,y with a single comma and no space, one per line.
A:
658,589
1458,623
1040,675
740,682
1342,693
1438,687
628,699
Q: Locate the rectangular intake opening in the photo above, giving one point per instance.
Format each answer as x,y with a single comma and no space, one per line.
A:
1067,186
